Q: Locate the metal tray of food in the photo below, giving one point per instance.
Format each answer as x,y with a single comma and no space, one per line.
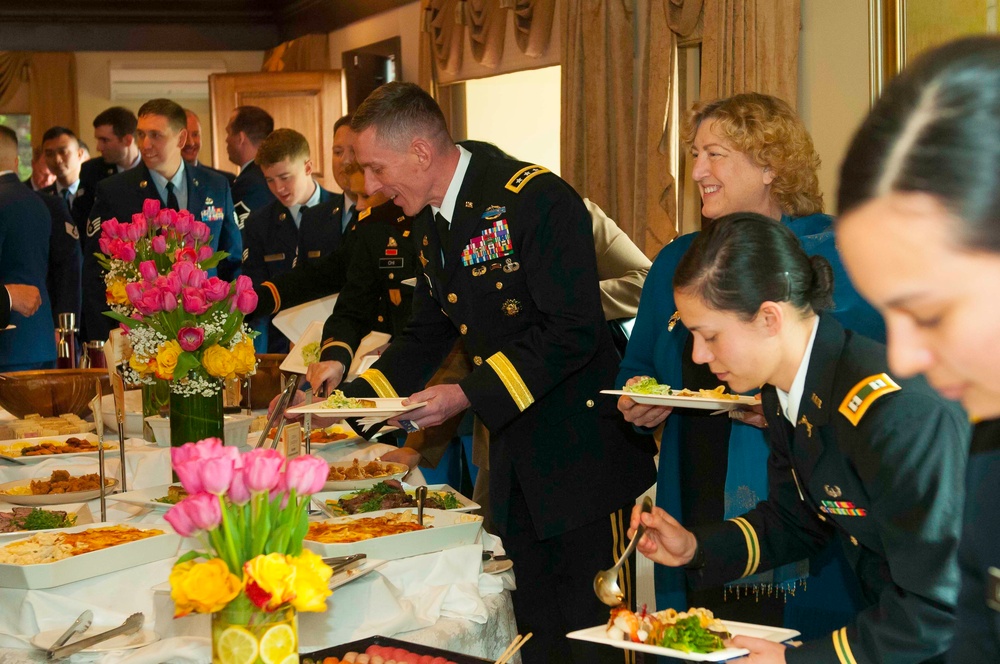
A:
363,644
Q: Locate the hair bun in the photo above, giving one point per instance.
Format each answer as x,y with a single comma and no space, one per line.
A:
820,295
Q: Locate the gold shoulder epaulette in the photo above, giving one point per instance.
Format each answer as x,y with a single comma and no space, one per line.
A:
523,176
864,394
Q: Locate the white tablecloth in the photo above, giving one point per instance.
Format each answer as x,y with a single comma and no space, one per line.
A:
439,599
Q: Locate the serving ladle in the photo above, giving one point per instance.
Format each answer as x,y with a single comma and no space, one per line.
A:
606,582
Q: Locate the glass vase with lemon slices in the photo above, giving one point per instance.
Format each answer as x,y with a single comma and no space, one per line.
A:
248,515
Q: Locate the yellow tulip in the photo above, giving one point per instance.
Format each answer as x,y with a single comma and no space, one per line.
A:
166,359
244,358
218,362
310,583
115,292
202,587
273,576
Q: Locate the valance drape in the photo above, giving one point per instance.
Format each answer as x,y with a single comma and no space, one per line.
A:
51,78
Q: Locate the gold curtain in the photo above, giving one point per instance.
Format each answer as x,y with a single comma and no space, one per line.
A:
616,86
751,46
13,72
306,53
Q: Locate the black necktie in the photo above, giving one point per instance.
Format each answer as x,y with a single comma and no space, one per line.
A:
349,217
172,197
65,197
444,232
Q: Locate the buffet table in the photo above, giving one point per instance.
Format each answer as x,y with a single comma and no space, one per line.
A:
439,599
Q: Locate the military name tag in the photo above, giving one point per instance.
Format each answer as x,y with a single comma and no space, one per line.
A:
274,257
390,263
314,254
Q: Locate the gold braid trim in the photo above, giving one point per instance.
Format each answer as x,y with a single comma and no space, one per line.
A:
516,387
753,545
275,294
330,343
379,383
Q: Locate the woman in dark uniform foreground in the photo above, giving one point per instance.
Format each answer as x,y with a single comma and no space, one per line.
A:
856,454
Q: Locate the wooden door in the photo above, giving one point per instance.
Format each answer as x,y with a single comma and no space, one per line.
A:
308,102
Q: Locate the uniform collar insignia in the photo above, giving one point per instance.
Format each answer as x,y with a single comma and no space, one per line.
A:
808,425
816,400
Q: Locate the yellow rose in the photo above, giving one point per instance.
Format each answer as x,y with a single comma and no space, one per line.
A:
115,292
202,587
139,364
244,357
218,362
166,359
274,578
312,576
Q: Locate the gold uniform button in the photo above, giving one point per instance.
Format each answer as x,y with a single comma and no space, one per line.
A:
499,285
463,328
452,298
392,276
477,360
590,403
854,540
380,319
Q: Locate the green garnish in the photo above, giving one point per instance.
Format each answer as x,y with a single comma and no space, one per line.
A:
310,353
687,635
446,498
648,385
39,519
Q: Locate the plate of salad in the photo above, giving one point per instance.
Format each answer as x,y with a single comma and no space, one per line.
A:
392,493
647,391
16,522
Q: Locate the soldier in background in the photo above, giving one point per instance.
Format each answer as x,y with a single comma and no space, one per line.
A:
192,148
247,128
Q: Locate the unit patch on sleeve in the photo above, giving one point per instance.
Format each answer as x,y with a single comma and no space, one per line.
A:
864,394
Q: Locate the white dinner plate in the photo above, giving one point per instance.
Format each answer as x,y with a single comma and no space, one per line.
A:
399,471
341,578
777,634
386,407
144,497
676,401
141,638
466,504
52,498
11,449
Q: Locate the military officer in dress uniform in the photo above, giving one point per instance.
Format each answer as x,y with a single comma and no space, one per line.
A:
247,128
856,454
280,235
508,266
163,175
65,259
114,131
192,148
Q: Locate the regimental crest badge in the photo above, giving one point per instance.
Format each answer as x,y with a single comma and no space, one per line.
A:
833,491
392,242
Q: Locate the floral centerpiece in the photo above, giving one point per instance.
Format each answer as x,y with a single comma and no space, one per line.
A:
183,327
248,513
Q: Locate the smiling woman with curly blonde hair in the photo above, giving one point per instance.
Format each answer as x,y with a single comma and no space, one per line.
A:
750,153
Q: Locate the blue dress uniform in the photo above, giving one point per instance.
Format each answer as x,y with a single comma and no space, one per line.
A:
25,228
312,279
877,463
977,633
250,192
519,285
65,259
92,171
384,255
273,245
121,196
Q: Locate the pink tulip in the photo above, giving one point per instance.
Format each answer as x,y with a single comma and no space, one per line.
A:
190,338
151,207
148,271
194,301
246,302
197,278
207,448
306,474
124,328
172,283
243,283
132,232
217,475
111,229
126,252
205,252
168,301
137,216
200,231
165,217
179,516
183,223
216,289
262,469
141,226
239,494
159,244
104,244
203,510
186,255
134,291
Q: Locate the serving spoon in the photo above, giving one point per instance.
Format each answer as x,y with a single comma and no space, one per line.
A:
606,582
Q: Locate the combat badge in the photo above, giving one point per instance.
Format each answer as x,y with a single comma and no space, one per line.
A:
479,270
833,491
494,212
511,266
511,307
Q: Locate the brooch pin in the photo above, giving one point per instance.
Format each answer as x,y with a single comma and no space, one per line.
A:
672,323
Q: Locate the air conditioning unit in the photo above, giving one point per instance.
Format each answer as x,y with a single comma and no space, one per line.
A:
173,80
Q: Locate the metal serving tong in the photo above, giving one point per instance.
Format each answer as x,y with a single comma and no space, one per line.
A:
132,625
81,624
343,563
277,417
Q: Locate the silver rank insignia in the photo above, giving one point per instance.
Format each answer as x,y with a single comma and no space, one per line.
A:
833,491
